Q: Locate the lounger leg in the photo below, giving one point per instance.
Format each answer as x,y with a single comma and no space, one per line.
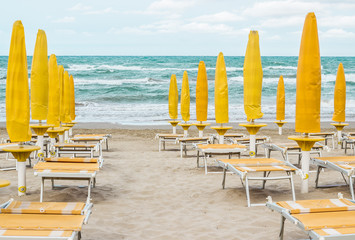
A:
247,190
106,144
264,181
292,187
224,178
159,144
42,190
52,180
351,187
198,158
89,191
185,148
317,178
181,146
281,235
205,158
79,235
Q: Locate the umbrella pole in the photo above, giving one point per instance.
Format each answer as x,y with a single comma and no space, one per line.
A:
200,131
305,169
280,130
252,145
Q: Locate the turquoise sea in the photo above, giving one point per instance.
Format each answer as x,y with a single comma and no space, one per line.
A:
134,89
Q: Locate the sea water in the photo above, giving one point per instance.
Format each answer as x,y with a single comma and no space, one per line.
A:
134,89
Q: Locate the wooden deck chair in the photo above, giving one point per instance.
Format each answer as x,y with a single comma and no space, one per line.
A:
67,171
323,219
43,220
248,166
209,150
345,165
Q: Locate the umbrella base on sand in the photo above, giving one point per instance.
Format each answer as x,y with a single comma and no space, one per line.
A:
339,127
174,123
21,153
280,124
221,130
305,143
186,127
201,126
40,130
253,129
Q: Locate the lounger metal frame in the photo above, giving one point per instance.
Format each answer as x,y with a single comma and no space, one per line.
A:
78,150
245,178
269,147
163,139
285,214
192,142
346,173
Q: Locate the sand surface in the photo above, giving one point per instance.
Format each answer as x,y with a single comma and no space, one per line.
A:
145,194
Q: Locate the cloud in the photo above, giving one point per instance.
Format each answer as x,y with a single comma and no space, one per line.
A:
219,17
100,12
283,22
170,5
337,21
65,31
80,7
129,30
65,20
337,33
274,37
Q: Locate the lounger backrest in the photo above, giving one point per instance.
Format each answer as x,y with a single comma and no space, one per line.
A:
313,206
61,208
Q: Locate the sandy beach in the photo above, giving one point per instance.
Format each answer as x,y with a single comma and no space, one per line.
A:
145,194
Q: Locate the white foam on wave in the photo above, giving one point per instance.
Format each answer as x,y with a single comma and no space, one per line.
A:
117,82
280,67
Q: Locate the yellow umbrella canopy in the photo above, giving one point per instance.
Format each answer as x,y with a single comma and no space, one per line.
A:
173,98
66,98
39,78
17,91
185,98
308,86
61,92
201,93
280,100
339,96
221,91
72,98
253,78
53,93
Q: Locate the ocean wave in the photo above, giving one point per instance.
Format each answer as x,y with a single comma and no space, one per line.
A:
280,67
115,82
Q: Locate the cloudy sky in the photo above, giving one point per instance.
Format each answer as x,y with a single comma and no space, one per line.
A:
178,27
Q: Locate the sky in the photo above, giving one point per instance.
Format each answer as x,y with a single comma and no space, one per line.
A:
178,27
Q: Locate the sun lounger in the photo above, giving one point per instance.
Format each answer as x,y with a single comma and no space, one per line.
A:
344,165
75,160
326,136
104,136
217,149
164,138
349,141
246,166
66,171
228,137
45,220
184,142
90,140
320,219
77,148
287,149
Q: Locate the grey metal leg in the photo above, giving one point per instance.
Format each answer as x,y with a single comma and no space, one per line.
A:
351,187
181,149
107,144
281,235
247,190
52,180
42,189
198,158
89,191
264,181
317,178
224,178
292,187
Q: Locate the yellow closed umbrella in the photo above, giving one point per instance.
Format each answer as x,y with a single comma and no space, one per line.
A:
221,98
253,78
280,104
66,98
253,82
18,104
39,88
308,93
61,93
280,100
72,98
39,78
339,96
173,98
185,103
221,91
185,98
339,102
201,98
201,93
308,86
53,93
17,91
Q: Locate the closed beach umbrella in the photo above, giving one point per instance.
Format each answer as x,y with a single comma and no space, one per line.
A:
53,93
308,86
201,93
308,93
339,96
280,100
253,78
221,91
66,98
61,93
185,98
72,98
17,91
173,98
39,78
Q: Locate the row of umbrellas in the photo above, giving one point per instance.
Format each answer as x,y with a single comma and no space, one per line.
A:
52,97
